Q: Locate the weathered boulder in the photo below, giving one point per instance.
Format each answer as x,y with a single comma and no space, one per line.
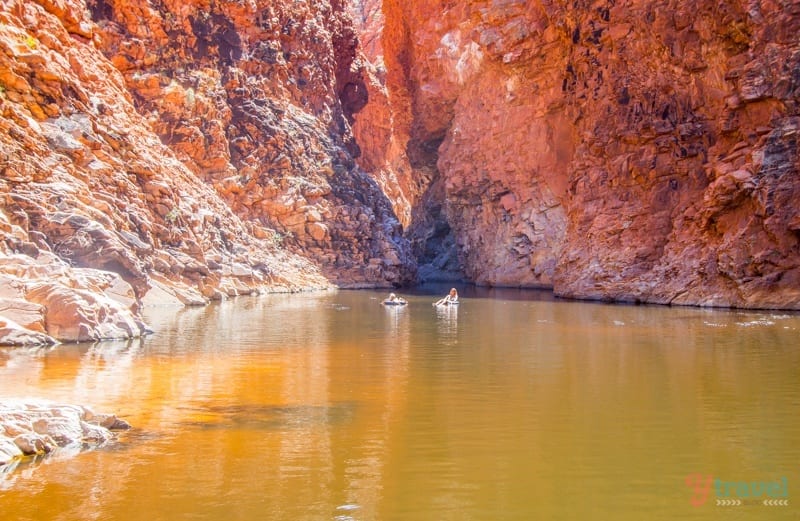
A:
9,450
76,315
30,427
28,315
164,293
13,334
56,302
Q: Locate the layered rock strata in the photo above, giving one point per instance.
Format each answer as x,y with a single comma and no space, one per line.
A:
43,300
87,184
629,151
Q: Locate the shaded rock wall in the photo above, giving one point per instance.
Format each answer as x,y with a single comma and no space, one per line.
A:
397,152
616,150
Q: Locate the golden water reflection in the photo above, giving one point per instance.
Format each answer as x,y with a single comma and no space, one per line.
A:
331,406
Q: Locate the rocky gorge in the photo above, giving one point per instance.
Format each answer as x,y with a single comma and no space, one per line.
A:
172,153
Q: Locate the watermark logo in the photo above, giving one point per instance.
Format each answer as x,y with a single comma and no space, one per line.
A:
737,493
700,486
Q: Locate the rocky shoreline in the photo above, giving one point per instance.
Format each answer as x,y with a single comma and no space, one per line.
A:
45,301
34,427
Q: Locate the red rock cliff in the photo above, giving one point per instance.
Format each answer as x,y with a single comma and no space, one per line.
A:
616,150
98,214
256,98
180,151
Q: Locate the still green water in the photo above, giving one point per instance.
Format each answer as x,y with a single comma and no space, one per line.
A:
330,406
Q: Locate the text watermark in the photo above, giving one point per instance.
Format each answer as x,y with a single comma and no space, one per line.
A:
737,493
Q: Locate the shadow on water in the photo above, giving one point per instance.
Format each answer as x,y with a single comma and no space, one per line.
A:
268,417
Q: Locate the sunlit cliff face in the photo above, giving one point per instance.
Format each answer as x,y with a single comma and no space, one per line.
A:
258,99
639,151
117,112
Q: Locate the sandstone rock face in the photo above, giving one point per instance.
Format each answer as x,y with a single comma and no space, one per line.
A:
103,161
45,300
33,427
633,151
256,98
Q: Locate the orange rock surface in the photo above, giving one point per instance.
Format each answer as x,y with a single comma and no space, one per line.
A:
257,99
631,151
86,182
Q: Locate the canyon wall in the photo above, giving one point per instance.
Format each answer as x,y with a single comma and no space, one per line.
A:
615,150
256,99
176,152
